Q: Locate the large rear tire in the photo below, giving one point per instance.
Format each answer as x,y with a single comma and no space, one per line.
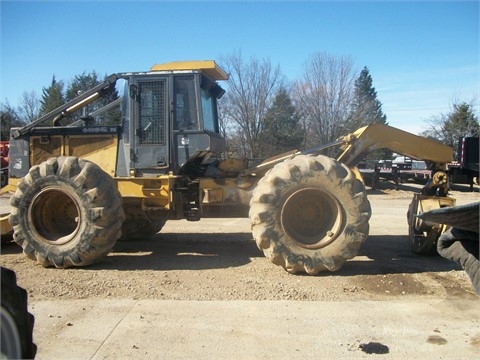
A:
310,214
141,223
66,212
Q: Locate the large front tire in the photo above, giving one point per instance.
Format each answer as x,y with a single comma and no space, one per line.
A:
66,212
310,214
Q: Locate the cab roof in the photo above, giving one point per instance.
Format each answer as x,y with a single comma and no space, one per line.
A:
209,67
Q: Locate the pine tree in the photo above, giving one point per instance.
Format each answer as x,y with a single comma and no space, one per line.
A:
449,128
366,108
460,122
282,130
82,83
52,97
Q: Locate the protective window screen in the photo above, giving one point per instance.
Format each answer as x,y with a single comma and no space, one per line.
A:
152,114
185,105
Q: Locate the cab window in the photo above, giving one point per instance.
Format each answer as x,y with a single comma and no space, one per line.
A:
209,111
185,115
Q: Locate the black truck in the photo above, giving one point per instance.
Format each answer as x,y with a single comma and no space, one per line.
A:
465,169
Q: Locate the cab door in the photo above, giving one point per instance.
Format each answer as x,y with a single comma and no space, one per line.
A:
186,122
150,154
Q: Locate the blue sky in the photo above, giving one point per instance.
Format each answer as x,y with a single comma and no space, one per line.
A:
422,56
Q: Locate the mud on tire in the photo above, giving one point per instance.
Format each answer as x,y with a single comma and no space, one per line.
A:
66,212
310,214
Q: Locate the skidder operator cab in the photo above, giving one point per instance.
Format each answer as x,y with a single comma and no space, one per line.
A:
172,114
145,123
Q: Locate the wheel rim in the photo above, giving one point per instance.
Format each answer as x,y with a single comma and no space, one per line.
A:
312,218
54,216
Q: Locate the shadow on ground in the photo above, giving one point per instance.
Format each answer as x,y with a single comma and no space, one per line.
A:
391,254
385,254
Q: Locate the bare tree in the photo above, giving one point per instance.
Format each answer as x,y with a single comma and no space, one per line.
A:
29,106
251,88
324,95
27,110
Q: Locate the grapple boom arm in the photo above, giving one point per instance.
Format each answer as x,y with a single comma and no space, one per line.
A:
71,106
379,136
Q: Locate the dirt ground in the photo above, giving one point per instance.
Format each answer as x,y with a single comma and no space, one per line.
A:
217,259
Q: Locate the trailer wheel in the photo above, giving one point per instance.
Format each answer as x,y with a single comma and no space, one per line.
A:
422,238
16,322
310,214
66,212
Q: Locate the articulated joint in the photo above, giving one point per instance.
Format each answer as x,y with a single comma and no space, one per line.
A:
437,185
